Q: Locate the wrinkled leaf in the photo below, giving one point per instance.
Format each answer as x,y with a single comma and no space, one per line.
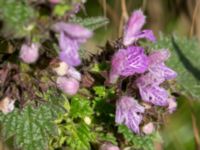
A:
92,23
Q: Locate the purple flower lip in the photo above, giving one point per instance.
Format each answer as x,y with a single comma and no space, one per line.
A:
74,31
157,66
133,28
158,57
69,50
129,112
129,61
154,94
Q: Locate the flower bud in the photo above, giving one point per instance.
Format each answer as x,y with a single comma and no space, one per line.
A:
172,105
87,120
72,72
7,105
148,128
108,146
62,69
146,105
29,53
69,86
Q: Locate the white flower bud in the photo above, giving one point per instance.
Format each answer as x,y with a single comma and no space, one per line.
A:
172,105
62,69
87,120
29,53
148,128
7,105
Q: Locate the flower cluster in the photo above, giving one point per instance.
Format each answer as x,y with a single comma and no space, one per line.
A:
150,71
71,36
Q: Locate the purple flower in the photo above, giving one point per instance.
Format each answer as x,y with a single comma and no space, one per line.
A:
71,36
69,50
129,112
157,66
162,71
149,79
158,57
29,53
154,94
69,86
149,82
133,28
127,62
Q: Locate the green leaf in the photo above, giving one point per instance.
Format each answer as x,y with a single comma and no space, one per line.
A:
73,130
100,91
185,61
108,137
78,136
136,141
80,107
30,127
16,16
91,23
60,9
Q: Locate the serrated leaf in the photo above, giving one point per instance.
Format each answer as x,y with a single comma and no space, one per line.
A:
100,91
31,127
91,23
136,141
79,136
16,15
108,137
185,61
80,107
